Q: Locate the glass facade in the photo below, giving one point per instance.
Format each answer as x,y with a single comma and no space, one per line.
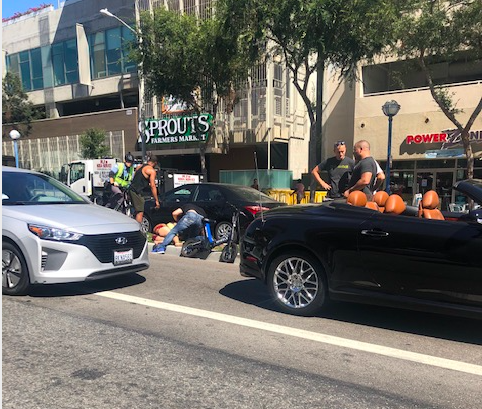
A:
408,178
109,51
64,62
28,66
57,64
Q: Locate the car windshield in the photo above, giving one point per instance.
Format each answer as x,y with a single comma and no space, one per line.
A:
19,188
468,196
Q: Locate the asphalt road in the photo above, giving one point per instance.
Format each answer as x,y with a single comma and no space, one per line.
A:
195,334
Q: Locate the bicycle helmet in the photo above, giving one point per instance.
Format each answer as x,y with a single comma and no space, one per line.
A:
129,157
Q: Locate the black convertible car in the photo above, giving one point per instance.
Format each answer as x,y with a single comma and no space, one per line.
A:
396,256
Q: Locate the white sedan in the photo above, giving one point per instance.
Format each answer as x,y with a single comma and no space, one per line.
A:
50,234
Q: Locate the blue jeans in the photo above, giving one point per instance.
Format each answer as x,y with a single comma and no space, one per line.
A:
188,220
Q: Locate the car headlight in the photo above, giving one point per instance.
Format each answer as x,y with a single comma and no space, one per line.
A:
52,233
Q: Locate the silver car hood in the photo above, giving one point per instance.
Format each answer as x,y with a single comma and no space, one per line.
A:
81,218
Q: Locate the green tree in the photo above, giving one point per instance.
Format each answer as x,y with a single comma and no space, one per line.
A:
16,107
198,62
443,31
312,34
92,144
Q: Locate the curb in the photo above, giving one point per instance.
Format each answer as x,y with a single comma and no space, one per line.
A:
176,251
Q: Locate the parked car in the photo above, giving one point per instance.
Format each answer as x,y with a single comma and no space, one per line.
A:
50,234
310,254
219,200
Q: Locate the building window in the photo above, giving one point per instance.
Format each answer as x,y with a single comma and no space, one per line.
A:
37,73
109,52
28,66
255,95
58,64
258,76
113,51
25,70
288,89
128,39
71,64
400,75
97,52
64,62
278,76
47,66
12,64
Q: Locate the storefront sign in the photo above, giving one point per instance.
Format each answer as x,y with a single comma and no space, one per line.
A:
182,179
448,138
426,138
172,130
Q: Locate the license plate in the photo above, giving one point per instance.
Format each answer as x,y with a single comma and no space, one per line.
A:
123,257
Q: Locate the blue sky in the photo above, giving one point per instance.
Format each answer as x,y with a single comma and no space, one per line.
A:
10,7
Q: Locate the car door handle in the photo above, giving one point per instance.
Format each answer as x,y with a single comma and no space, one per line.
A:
374,233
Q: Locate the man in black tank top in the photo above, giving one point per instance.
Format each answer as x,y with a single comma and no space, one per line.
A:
144,176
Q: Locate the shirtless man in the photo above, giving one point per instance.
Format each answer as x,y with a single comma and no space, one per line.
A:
144,176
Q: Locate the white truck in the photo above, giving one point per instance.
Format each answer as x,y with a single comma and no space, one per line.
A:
87,176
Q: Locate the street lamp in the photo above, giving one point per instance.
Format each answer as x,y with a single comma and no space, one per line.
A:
390,109
15,135
107,13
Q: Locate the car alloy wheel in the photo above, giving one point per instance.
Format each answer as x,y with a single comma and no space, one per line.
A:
297,283
15,279
223,229
145,225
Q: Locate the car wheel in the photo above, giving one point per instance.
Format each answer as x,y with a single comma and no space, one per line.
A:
223,229
297,283
229,253
146,225
15,277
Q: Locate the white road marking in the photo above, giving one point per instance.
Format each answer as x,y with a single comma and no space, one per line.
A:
299,333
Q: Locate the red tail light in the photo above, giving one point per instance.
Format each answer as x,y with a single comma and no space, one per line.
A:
255,209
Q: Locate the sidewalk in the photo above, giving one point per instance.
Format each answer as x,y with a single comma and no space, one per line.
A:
176,251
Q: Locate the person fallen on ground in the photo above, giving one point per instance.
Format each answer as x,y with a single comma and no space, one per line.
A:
160,231
188,216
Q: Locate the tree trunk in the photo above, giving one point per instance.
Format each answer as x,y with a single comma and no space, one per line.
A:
468,153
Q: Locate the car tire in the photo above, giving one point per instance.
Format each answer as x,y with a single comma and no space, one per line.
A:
223,229
297,283
15,276
146,225
229,253
188,249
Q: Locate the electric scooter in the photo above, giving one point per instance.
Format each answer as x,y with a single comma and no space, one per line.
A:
205,244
